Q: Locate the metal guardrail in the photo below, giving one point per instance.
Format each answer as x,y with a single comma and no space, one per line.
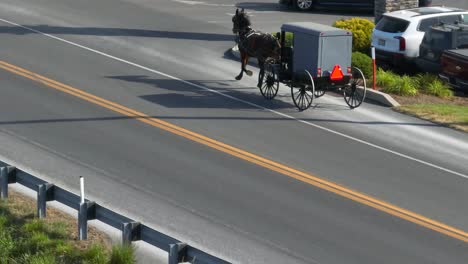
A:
89,210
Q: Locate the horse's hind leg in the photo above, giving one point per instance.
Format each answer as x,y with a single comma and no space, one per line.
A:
249,73
261,64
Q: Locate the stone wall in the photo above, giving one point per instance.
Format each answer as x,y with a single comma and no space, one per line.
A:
382,6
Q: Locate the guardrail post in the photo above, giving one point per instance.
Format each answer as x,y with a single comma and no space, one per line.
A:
7,175
177,253
45,193
87,211
130,232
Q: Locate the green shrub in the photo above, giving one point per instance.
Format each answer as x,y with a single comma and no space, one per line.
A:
404,86
385,78
124,254
431,84
361,29
96,254
438,88
395,84
363,62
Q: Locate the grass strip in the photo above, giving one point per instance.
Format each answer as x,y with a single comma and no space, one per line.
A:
455,116
26,239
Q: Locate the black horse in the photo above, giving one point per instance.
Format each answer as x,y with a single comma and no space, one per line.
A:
253,44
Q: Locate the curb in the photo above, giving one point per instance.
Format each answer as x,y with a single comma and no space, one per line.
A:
373,95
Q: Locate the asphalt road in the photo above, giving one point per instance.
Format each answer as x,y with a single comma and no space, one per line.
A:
168,60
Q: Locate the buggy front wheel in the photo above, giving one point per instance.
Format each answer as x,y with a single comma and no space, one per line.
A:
270,85
355,91
303,90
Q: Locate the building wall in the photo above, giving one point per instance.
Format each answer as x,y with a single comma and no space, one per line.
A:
382,6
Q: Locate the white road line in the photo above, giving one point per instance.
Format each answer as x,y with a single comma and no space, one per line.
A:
237,99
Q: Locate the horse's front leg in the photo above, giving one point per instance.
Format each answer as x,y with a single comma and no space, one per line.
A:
249,73
244,59
238,77
261,64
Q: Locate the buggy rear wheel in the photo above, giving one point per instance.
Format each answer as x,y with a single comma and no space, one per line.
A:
355,91
270,85
303,90
319,92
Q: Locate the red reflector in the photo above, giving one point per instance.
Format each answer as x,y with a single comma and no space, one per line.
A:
349,70
319,71
336,74
402,43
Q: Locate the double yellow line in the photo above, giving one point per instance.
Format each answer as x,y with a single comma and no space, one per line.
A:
244,155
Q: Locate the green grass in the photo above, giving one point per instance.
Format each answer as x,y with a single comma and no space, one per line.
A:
26,239
450,115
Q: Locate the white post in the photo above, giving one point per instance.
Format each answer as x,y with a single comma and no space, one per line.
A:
374,68
82,189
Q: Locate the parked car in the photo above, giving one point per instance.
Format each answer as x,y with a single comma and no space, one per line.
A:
398,35
310,4
437,40
454,68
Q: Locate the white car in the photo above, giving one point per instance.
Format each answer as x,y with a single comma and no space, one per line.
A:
398,35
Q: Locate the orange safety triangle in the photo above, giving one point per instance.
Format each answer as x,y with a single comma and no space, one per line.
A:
336,74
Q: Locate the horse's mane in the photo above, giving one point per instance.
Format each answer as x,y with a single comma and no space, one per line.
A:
244,17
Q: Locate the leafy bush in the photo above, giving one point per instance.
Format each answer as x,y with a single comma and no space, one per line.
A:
439,89
432,85
385,78
395,84
363,62
361,29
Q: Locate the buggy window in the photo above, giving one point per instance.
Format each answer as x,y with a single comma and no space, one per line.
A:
392,25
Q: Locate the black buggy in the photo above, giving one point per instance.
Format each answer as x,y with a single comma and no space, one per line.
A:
317,60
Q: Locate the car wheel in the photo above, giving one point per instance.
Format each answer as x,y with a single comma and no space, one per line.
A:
304,4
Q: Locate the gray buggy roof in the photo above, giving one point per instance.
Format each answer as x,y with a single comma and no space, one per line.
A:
314,29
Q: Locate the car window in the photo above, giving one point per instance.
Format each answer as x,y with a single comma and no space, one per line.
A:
425,24
439,40
392,25
462,41
465,17
450,19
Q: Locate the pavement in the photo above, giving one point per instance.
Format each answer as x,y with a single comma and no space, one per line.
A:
373,95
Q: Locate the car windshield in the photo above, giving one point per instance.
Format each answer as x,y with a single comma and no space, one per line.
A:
392,25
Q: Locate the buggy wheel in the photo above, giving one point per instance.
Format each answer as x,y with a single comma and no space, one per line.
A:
270,84
303,93
355,91
319,92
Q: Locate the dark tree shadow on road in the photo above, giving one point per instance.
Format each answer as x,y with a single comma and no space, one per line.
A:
128,32
324,10
181,95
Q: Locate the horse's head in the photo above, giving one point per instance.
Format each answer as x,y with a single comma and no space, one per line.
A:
240,21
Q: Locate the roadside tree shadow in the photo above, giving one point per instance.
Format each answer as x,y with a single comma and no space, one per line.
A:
324,10
128,32
217,117
180,95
